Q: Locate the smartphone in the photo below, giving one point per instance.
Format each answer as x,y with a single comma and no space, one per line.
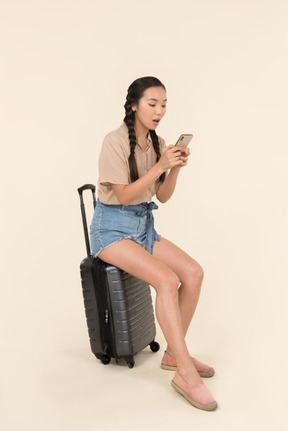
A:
184,140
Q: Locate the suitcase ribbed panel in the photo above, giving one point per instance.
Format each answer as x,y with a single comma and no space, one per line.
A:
133,316
91,307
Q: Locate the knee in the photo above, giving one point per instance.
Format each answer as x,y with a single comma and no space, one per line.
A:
199,273
169,284
194,275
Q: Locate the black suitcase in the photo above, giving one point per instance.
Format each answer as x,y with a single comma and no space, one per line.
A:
118,307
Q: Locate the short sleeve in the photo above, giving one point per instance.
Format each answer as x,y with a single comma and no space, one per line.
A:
113,162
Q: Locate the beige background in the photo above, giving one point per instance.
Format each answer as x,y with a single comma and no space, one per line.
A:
65,69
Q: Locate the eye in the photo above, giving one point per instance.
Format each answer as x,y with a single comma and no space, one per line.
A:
163,106
150,104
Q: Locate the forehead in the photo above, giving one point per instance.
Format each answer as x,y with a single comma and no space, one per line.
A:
156,93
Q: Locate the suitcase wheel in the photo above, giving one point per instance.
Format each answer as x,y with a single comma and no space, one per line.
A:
154,346
105,359
130,361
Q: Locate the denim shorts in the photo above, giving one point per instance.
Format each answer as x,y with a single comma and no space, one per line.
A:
111,223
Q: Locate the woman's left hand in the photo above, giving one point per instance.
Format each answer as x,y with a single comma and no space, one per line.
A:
166,189
185,153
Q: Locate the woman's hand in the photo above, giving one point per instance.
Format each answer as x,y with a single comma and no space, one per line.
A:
170,158
185,153
175,158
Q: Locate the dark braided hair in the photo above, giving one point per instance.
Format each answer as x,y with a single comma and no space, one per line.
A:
134,94
155,141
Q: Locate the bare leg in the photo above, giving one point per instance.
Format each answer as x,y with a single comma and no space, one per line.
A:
189,273
132,258
135,260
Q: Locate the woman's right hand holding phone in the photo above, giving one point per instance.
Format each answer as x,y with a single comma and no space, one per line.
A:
170,158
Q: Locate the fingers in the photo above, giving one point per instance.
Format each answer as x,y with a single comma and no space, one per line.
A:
174,156
175,149
171,157
186,151
184,162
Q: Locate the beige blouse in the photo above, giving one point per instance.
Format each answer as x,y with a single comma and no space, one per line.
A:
114,166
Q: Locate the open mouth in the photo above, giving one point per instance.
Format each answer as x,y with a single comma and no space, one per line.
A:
156,122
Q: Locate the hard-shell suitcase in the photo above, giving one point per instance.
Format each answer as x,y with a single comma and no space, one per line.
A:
118,306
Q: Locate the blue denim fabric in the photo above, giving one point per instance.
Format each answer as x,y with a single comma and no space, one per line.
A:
111,223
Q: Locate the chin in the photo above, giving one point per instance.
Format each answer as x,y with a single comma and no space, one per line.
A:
154,126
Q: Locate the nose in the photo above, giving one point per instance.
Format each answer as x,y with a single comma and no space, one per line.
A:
160,110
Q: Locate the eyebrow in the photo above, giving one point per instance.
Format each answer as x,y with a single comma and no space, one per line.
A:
156,100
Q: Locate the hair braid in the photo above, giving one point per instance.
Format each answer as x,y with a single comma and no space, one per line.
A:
129,120
155,141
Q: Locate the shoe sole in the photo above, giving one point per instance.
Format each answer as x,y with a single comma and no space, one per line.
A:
209,373
207,407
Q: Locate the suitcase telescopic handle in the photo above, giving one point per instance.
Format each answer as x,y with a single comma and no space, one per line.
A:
86,187
84,219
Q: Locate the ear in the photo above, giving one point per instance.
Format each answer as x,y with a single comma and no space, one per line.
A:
133,108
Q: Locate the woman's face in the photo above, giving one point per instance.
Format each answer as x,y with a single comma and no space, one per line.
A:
150,109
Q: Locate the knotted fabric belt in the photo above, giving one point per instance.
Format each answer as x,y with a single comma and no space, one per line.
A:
147,210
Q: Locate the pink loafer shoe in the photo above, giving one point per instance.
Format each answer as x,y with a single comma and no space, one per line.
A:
169,363
198,395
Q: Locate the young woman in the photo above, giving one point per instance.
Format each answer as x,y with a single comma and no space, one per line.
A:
134,165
